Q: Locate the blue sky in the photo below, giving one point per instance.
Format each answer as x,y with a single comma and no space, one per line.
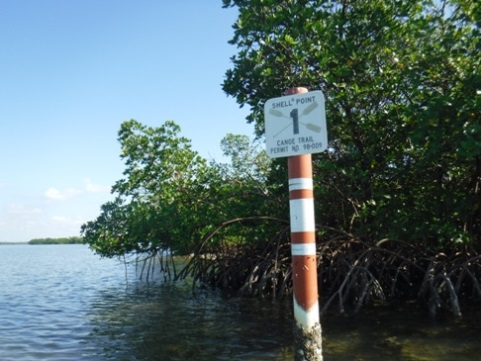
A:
72,70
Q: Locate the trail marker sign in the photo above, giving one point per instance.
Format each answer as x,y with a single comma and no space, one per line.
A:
295,124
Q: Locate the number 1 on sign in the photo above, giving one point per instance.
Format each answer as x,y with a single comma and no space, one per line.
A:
295,120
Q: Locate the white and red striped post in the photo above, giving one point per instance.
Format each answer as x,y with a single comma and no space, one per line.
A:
307,328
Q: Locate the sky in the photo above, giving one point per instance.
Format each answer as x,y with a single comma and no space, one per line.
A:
71,71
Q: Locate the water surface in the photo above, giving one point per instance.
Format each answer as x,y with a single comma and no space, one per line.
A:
61,302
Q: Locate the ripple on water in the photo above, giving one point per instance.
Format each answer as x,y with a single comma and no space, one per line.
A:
61,303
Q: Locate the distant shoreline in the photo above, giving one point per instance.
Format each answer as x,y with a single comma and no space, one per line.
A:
43,241
65,240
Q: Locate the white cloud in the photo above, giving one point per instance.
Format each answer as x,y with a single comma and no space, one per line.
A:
55,194
91,187
18,220
58,195
21,224
54,211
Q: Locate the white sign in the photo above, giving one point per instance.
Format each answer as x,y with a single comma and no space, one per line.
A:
295,124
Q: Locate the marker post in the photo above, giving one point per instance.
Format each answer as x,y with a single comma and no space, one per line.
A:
307,328
295,128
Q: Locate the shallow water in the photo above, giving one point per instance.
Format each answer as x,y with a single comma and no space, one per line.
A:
64,303
402,334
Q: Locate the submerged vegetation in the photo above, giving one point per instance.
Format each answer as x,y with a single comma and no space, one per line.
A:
397,194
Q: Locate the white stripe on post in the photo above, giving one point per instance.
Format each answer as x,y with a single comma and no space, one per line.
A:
303,249
309,318
300,183
302,215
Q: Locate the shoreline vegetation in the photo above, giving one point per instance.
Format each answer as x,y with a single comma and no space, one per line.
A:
37,241
397,193
64,240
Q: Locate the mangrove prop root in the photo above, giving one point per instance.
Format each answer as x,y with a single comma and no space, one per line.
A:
352,272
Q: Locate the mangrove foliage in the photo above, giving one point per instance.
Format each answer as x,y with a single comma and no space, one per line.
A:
397,194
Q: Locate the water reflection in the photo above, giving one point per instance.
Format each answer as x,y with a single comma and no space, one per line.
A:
167,322
158,321
61,303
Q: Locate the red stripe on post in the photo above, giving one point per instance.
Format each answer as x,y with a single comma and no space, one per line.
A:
303,237
305,278
300,166
301,194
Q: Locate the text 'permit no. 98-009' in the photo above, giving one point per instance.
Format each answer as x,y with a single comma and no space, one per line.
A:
295,124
